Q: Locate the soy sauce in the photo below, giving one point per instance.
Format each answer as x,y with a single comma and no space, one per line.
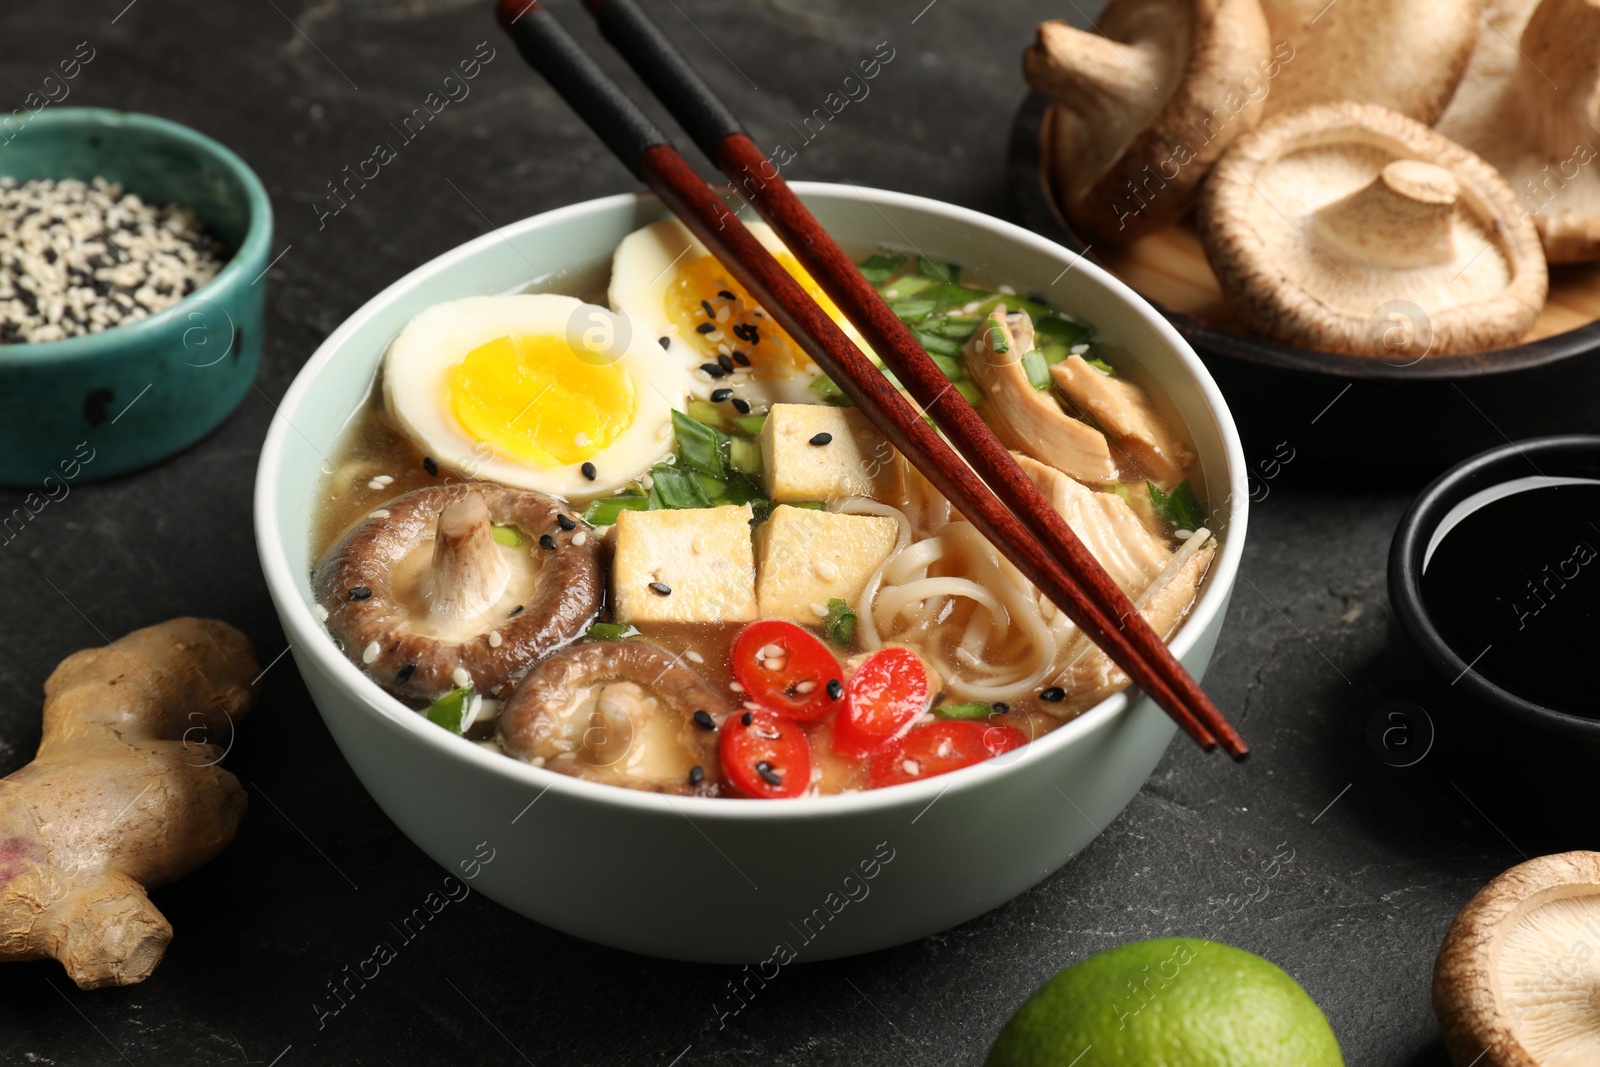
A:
1513,589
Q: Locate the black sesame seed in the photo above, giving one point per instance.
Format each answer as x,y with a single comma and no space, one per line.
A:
589,472
566,522
741,359
745,718
823,438
664,342
726,295
719,395
360,592
1001,707
726,363
704,721
714,369
661,588
547,542
1054,694
403,675
697,774
741,405
711,312
430,466
835,689
705,327
515,612
768,775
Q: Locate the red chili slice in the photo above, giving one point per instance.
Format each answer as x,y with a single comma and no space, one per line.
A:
887,691
786,669
764,755
939,748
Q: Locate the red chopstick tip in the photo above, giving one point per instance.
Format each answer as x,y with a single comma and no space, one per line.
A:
507,12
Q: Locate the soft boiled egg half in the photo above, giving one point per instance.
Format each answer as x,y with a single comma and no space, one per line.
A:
536,391
668,283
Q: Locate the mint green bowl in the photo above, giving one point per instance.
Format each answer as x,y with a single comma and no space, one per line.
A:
95,406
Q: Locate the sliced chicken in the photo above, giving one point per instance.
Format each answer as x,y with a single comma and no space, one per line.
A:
1028,419
1108,527
1088,675
1123,410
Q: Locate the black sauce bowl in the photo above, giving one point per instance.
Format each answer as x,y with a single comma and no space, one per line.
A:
1532,771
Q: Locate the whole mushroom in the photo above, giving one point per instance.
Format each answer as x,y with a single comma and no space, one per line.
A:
424,599
1518,973
1406,55
1350,228
1530,104
621,712
1145,106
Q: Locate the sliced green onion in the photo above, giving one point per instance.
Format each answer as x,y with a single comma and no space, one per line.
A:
506,535
715,489
603,512
677,487
950,295
840,623
997,339
809,505
611,631
450,710
906,285
742,489
956,329
1064,330
700,446
1103,367
744,455
749,424
824,387
913,310
1178,507
953,368
962,712
936,345
1053,352
970,391
944,272
706,412
1037,369
881,267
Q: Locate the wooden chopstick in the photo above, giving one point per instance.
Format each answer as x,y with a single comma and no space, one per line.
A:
720,135
546,45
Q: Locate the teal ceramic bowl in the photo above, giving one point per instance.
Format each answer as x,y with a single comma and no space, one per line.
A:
95,406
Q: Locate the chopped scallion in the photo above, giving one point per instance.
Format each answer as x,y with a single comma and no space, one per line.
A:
677,487
840,623
1179,507
611,631
450,710
744,455
603,512
506,535
881,267
962,712
1037,370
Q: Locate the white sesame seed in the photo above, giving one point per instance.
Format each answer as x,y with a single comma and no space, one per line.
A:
771,651
820,610
461,677
805,687
826,571
910,767
736,687
495,640
381,513
773,664
370,653
579,538
580,439
693,657
322,612
1079,350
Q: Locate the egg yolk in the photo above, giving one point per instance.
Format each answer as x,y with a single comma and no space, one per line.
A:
717,316
537,400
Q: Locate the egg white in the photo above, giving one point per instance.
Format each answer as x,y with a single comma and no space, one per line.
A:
415,388
642,270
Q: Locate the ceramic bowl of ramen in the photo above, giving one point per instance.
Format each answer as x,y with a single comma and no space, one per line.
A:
614,606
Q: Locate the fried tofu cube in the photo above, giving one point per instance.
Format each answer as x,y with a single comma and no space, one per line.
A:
688,565
850,458
810,557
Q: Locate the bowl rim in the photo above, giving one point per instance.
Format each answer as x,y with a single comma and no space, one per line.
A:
307,636
254,246
1028,183
1410,541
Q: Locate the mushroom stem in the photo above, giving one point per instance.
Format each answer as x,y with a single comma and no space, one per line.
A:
1404,218
468,573
1558,74
1108,84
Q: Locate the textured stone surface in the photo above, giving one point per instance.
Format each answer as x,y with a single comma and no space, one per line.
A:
318,872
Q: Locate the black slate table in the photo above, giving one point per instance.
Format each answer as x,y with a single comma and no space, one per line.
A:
302,90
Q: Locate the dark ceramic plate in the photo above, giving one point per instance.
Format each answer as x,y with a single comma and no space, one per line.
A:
1352,413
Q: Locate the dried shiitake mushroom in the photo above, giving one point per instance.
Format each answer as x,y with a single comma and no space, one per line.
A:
1406,55
1145,106
1350,228
1516,978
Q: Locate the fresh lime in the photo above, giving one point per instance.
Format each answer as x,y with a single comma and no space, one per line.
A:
1174,1002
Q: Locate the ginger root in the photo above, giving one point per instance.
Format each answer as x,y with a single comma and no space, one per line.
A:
124,795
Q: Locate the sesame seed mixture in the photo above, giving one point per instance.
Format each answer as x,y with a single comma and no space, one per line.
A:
81,257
